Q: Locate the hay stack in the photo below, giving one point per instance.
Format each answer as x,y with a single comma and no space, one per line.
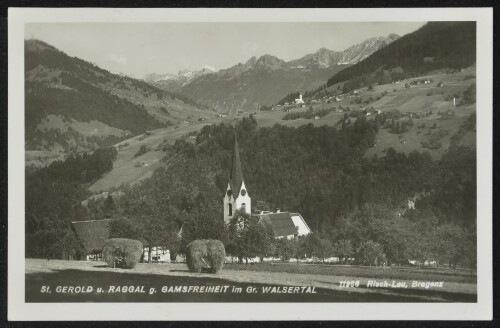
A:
205,253
122,253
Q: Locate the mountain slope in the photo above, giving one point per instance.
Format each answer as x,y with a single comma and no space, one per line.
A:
435,45
73,104
267,79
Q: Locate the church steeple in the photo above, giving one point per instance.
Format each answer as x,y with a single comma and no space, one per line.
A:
236,196
236,172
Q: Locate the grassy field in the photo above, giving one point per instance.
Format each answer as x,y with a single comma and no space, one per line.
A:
326,282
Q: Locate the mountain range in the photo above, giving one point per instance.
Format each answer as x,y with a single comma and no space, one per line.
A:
264,80
175,81
434,46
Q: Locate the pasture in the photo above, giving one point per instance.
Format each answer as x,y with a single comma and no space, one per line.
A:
326,282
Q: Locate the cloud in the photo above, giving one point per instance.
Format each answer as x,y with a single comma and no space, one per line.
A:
122,60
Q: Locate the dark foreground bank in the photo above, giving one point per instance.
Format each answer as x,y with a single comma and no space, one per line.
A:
72,285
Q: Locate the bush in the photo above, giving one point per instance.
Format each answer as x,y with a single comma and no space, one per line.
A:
205,253
371,253
144,149
433,141
122,253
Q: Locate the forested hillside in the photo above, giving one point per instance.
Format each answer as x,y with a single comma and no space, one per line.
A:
319,172
436,45
76,106
53,196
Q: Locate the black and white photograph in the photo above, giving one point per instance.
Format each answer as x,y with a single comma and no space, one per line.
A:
336,161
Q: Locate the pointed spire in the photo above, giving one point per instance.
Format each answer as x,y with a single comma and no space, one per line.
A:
236,171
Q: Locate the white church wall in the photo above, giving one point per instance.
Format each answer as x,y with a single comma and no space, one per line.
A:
244,199
228,200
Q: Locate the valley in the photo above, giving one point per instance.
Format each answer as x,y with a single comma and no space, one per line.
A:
129,170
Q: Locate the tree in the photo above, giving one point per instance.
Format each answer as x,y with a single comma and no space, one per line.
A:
470,249
248,237
469,95
72,245
370,87
123,228
157,232
108,207
371,253
344,249
449,243
286,249
420,249
323,249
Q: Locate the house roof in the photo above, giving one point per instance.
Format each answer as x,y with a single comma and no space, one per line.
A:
93,234
281,223
305,226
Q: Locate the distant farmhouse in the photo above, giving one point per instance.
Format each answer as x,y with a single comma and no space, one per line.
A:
284,224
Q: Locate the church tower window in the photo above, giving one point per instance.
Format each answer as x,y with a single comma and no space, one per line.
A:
230,207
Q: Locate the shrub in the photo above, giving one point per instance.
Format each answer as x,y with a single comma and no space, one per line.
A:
122,253
371,253
205,253
144,149
433,141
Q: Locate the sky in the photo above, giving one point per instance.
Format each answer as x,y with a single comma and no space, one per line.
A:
138,49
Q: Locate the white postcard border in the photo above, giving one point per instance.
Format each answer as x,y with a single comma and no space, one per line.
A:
19,310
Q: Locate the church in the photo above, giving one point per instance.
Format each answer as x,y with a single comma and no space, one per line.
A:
284,224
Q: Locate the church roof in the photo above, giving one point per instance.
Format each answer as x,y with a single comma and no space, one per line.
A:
281,223
236,172
92,234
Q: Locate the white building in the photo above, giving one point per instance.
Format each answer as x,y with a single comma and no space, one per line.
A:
299,100
285,224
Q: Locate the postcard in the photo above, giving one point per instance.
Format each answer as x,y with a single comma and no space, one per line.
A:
250,164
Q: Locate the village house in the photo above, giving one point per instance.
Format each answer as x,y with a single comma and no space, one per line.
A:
93,235
285,224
